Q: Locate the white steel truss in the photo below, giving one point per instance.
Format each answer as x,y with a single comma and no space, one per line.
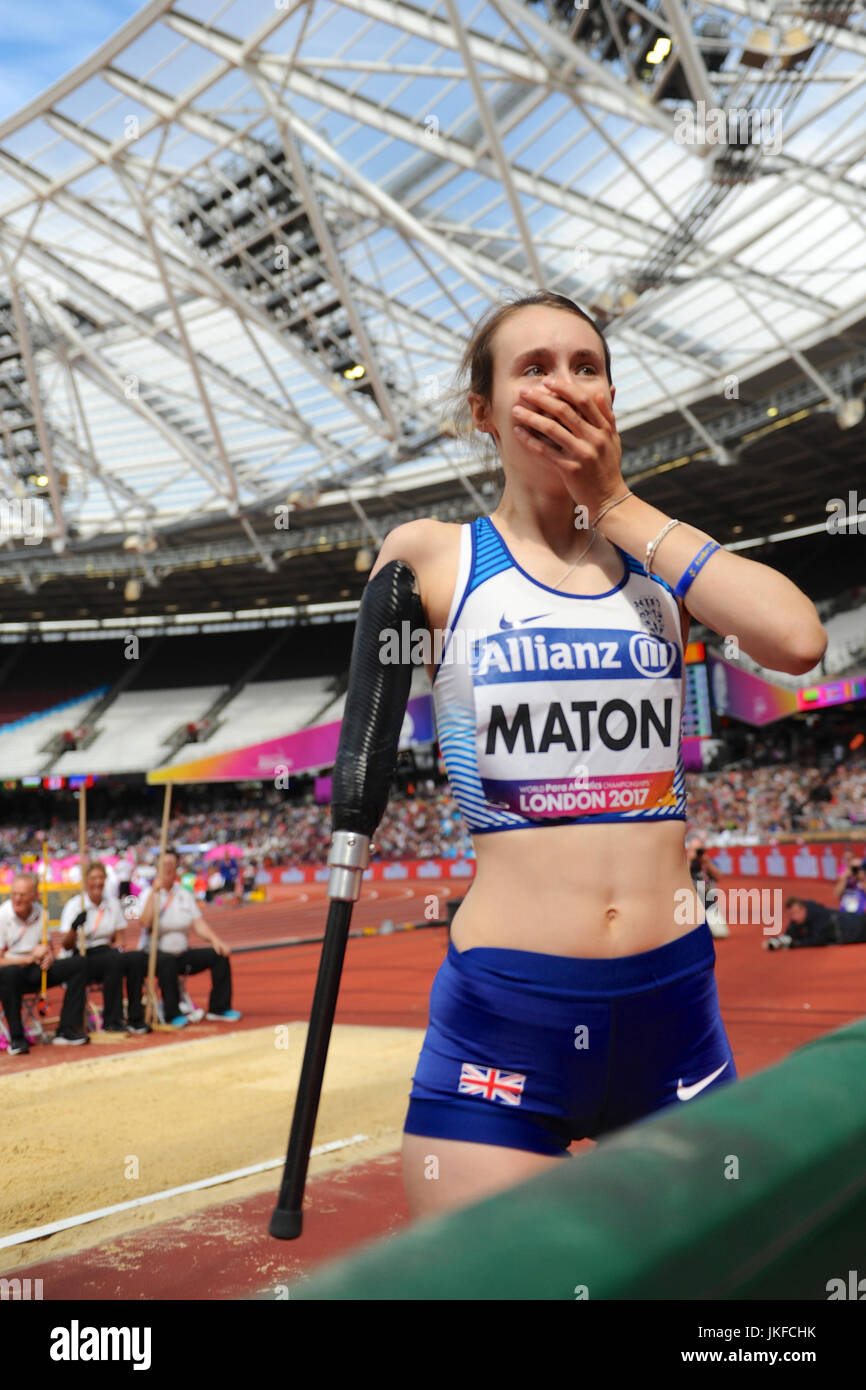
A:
230,270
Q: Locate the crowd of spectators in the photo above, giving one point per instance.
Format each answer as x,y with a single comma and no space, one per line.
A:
422,825
754,803
733,804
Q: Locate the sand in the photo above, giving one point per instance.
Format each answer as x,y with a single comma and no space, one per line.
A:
119,1127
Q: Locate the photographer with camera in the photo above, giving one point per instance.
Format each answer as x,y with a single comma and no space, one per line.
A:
813,924
850,888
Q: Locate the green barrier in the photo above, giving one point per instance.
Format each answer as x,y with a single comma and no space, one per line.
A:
754,1191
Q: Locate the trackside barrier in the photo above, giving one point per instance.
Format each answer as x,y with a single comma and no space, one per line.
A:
756,1190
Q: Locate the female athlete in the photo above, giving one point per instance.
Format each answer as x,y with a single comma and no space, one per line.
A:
571,1002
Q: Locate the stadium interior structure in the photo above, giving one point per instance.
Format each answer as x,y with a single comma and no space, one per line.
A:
241,250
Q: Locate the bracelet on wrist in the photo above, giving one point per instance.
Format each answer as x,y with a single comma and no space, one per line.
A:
653,546
608,505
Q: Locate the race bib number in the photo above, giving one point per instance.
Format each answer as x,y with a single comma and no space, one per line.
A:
566,728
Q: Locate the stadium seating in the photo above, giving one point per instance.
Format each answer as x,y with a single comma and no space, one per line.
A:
420,686
263,711
134,728
21,743
847,634
40,676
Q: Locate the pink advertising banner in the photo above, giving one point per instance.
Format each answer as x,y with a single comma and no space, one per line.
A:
304,751
747,697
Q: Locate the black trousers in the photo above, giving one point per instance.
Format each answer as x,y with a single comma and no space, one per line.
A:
849,928
16,980
192,962
169,968
135,973
104,966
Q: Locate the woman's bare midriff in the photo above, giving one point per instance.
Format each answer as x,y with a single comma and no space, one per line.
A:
592,890
577,890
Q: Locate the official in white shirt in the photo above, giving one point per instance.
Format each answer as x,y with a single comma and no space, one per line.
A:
23,957
103,923
178,915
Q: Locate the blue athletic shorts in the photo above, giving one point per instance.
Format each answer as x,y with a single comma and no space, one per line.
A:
531,1051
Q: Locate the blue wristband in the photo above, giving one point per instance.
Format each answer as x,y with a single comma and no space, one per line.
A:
689,576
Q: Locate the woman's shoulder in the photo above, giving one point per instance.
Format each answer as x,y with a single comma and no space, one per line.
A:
432,549
423,544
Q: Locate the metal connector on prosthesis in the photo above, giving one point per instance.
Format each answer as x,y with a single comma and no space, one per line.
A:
348,858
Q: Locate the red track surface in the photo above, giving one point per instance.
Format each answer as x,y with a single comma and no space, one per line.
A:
772,1002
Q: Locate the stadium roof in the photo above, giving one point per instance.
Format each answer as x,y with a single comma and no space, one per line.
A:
242,247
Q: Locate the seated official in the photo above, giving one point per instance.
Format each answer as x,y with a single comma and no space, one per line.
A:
23,957
178,915
813,924
102,920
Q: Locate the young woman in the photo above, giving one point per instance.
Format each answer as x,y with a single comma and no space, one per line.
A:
570,1002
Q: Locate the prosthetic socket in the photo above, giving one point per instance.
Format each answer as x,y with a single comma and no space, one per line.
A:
375,707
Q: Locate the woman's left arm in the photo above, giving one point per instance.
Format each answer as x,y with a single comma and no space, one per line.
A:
773,621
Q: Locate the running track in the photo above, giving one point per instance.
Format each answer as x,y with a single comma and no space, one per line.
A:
772,1002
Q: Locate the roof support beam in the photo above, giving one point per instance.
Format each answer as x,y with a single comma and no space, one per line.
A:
188,274
329,250
495,143
108,378
23,331
688,52
445,148
191,357
620,99
838,35
93,295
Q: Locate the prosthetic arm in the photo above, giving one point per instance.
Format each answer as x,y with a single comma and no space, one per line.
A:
366,760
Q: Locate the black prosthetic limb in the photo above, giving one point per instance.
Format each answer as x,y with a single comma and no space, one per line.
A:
366,761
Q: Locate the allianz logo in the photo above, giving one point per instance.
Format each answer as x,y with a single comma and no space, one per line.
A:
652,656
518,652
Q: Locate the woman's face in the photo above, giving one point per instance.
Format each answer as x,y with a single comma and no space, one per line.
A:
95,886
536,346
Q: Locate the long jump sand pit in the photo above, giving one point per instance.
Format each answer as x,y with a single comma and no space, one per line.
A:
115,1128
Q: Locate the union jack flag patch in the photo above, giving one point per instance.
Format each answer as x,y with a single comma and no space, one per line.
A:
491,1084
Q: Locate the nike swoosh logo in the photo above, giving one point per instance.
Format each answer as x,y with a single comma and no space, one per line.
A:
504,624
686,1092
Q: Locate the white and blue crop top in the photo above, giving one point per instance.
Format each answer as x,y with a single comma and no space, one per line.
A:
555,708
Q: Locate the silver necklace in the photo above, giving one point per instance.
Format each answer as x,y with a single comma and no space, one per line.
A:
585,551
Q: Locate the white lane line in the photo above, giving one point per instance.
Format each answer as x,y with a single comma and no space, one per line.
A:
22,1237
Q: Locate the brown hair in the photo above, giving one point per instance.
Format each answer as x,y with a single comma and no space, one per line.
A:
475,373
94,866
